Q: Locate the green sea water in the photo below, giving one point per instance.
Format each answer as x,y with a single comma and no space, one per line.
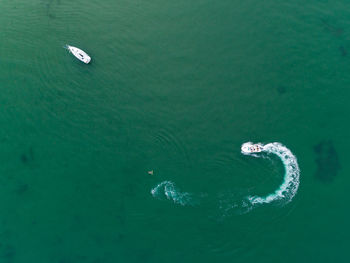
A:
175,87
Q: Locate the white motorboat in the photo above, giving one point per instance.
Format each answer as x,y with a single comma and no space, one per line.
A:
251,148
79,54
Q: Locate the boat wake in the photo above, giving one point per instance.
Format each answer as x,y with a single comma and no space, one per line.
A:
289,187
168,190
236,201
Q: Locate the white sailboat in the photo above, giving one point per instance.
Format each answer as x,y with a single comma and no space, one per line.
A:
79,54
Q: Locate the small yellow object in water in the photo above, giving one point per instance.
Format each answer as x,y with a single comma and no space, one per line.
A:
150,172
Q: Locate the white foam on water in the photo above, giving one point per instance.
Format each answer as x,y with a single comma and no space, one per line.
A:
288,189
168,190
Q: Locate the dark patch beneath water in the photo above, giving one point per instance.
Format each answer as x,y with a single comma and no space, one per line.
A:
24,158
50,4
27,156
327,161
343,51
120,236
21,189
331,28
51,16
7,253
281,90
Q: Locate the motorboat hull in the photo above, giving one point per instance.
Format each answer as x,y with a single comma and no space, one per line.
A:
248,148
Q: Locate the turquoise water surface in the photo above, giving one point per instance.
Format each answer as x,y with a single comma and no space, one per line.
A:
174,87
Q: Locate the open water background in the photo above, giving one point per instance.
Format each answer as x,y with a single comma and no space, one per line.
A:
175,87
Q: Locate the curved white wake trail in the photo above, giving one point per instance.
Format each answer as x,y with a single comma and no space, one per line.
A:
167,189
289,187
